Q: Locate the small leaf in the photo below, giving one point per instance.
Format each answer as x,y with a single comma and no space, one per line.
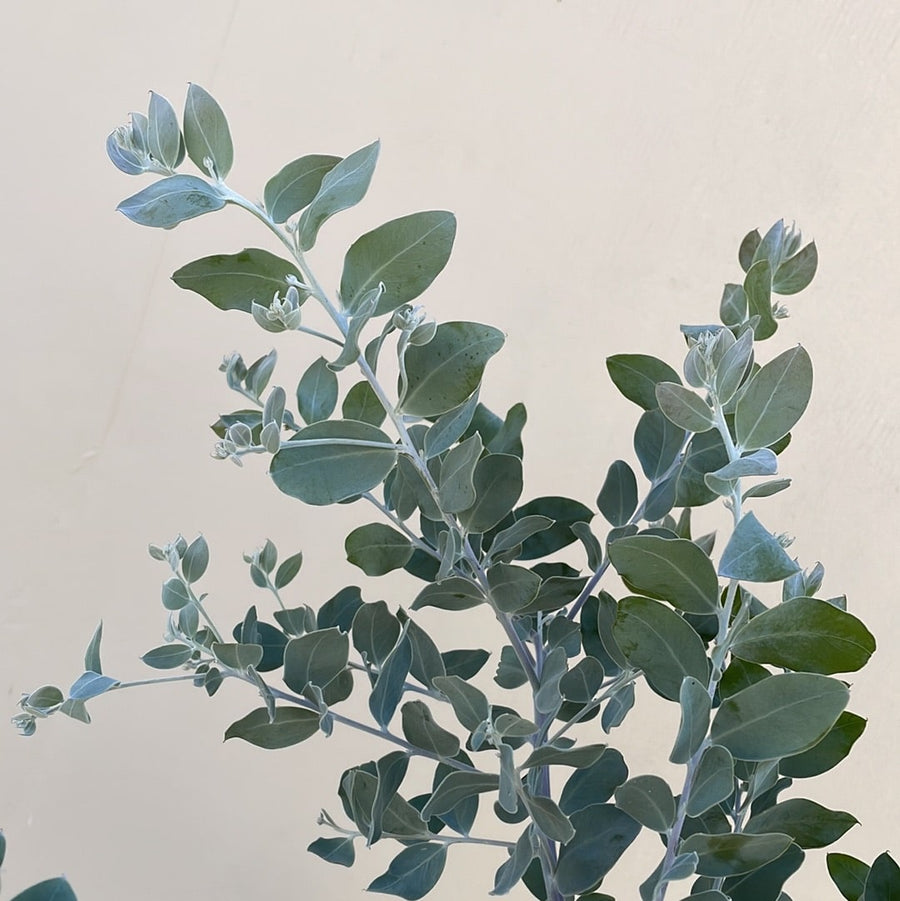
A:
317,392
420,728
172,200
518,533
206,133
464,663
377,549
163,133
457,491
291,726
649,800
766,489
445,372
684,408
238,656
92,654
549,818
657,441
637,375
167,656
774,399
748,248
89,685
235,281
564,511
341,188
389,687
195,560
733,305
753,554
288,570
296,185
713,781
456,787
334,850
469,703
451,594
848,874
362,403
405,255
579,757
780,716
450,427
618,498
695,709
510,872
332,472
413,872
673,570
758,288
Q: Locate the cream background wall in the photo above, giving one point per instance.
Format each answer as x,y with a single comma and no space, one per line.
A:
604,160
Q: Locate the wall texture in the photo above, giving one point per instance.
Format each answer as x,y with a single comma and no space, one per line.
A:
604,160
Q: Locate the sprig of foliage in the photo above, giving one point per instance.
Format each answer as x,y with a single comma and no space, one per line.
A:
754,682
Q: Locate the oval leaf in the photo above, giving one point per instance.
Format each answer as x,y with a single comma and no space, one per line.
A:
729,855
291,726
684,408
171,200
637,375
753,554
296,185
414,872
649,800
206,133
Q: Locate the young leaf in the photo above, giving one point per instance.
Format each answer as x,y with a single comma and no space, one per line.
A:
195,559
405,255
649,800
235,281
329,473
457,491
579,757
288,570
808,635
753,554
341,188
296,185
89,685
618,498
780,716
172,200
167,656
291,726
238,656
774,400
637,375
317,392
758,288
163,134
668,569
92,654
446,371
377,549
695,709
733,305
795,273
206,134
549,818
451,594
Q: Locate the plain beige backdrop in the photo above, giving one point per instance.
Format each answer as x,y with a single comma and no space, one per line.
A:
604,160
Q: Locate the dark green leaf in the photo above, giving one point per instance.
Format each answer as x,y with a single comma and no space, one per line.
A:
594,784
195,559
516,534
774,399
637,375
315,658
390,771
848,874
767,881
649,800
167,656
713,781
617,707
175,594
288,570
508,437
829,752
564,512
602,834
512,870
413,872
444,373
171,200
509,670
426,658
705,453
420,728
469,703
235,281
808,635
377,549
657,442
809,824
583,681
780,716
729,855
405,254
549,818
56,889
317,392
464,663
340,609
555,592
456,787
333,471
296,185
291,726
342,187
579,757
451,594
748,248
618,497
389,687
547,698
334,850
238,656
512,587
498,485
673,570
695,708
361,403
754,554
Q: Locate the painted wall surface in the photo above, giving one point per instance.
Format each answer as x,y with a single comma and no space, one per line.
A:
604,160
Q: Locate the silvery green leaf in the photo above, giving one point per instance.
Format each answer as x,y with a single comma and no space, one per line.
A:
753,554
684,408
578,757
377,549
498,487
657,441
509,670
548,698
56,889
592,546
510,872
766,489
175,594
362,403
509,780
124,157
583,681
771,247
270,438
733,367
296,185
350,352
167,656
636,376
758,288
518,532
238,656
420,728
206,134
317,657
92,654
732,854
172,200
405,255
288,570
469,703
342,187
89,685
695,709
389,687
195,560
451,594
549,818
291,726
456,787
618,498
795,273
449,427
759,463
163,134
189,620
457,491
649,800
317,392
511,725
713,780
512,587
76,709
413,872
733,306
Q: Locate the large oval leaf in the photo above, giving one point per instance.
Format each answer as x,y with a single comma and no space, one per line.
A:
669,569
405,254
444,372
637,375
336,469
658,641
234,281
808,635
774,399
171,200
782,715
